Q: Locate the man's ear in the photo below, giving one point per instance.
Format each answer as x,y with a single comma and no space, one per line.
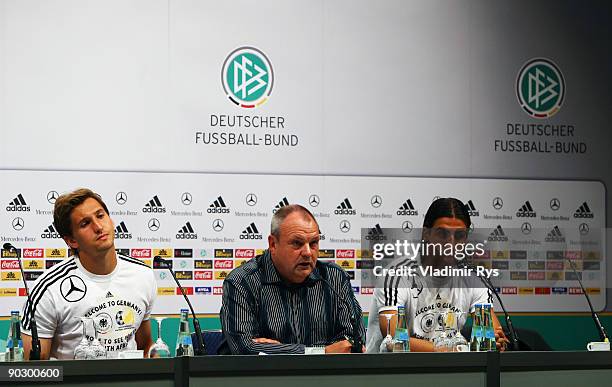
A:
426,233
272,243
71,242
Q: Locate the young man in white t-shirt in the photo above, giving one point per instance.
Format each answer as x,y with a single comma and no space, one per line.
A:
117,292
424,298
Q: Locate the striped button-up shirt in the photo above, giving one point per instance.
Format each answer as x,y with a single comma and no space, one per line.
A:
258,303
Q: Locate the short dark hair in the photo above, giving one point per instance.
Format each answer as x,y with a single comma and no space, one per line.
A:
66,203
280,215
446,208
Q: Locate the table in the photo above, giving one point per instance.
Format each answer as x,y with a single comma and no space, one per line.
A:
491,369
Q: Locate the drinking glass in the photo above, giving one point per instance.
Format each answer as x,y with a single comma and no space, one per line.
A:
99,351
159,348
84,351
388,342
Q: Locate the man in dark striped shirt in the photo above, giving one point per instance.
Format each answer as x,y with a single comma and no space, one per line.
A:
285,300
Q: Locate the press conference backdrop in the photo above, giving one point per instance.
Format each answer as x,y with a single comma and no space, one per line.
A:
289,99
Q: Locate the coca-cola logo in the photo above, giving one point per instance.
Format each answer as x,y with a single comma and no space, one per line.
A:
224,264
33,253
203,275
9,264
141,253
244,253
345,253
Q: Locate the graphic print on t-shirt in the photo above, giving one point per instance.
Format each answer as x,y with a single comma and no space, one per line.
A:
115,320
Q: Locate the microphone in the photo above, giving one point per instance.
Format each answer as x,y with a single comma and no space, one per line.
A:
199,349
35,350
357,346
487,282
602,332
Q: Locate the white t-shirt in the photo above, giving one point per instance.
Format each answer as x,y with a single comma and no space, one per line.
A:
118,302
424,298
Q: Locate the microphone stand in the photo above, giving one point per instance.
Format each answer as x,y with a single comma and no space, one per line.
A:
357,344
200,349
603,336
35,349
487,282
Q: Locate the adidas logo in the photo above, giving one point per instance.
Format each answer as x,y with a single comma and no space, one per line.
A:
109,294
154,205
280,205
498,235
526,211
376,234
555,235
186,232
472,211
407,209
50,232
345,208
121,232
251,232
218,207
583,212
18,204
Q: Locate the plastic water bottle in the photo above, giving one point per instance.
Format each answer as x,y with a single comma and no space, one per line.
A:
184,345
477,330
489,336
14,345
401,339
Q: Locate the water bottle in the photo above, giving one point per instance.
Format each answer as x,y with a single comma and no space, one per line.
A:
401,339
14,345
477,329
184,345
489,332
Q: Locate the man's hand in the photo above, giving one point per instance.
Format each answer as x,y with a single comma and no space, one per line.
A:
343,346
501,342
263,340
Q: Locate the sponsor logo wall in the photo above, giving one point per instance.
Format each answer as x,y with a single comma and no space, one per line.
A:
566,218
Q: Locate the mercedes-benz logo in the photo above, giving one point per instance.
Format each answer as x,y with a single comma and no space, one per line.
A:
314,200
251,199
583,228
555,204
217,225
73,288
376,201
498,203
407,226
121,198
52,196
153,224
18,224
526,228
345,226
186,198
